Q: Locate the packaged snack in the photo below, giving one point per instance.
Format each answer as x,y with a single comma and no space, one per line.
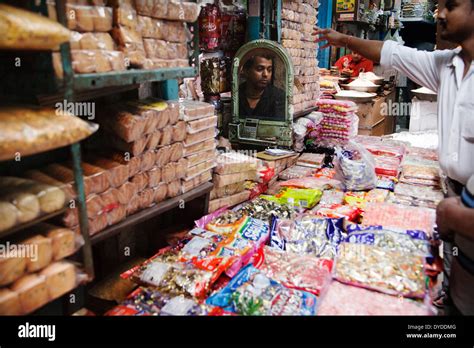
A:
420,172
377,195
295,172
27,30
385,183
342,299
228,179
228,190
356,167
387,166
46,130
424,193
251,292
331,197
300,272
312,160
336,211
263,209
222,221
313,183
305,198
318,237
357,199
374,268
399,216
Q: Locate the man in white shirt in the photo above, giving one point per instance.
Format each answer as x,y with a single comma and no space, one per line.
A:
450,73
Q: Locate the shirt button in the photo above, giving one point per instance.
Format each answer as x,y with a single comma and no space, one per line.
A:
455,156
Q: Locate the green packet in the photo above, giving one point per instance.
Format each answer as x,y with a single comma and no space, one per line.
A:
304,198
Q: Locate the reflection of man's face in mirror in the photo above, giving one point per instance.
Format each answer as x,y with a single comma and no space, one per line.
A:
258,71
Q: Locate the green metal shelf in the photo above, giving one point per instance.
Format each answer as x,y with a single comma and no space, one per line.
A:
83,82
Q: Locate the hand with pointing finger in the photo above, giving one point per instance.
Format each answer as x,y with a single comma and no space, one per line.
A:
332,37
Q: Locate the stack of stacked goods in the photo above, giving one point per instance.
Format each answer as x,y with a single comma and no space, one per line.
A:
37,274
420,171
298,21
199,144
387,158
232,171
146,35
339,123
328,89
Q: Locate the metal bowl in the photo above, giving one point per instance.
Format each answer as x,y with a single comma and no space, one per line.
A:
378,81
361,88
355,99
425,96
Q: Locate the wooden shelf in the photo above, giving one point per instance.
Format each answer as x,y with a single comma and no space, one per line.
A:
153,211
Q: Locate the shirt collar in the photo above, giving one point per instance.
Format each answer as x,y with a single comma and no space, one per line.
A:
456,60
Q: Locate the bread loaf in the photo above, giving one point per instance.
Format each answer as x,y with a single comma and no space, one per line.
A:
198,148
10,303
179,131
133,163
8,215
126,16
11,268
228,179
44,250
201,157
199,137
126,192
148,160
181,168
118,173
51,198
39,176
94,206
153,140
173,112
63,241
135,148
102,18
116,215
125,124
166,135
97,224
154,177
228,201
32,291
133,205
174,189
176,151
60,278
195,182
163,156
27,204
160,192
140,180
146,198
168,173
99,178
110,199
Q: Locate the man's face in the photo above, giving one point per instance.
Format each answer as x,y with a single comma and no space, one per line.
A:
457,20
356,57
260,73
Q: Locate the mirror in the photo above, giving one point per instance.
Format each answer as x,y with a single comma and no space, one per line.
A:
262,86
261,95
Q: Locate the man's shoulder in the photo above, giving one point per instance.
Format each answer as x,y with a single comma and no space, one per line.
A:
277,92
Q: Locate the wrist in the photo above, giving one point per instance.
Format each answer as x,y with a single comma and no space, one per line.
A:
346,41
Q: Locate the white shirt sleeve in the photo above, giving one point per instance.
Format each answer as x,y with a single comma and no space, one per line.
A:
420,66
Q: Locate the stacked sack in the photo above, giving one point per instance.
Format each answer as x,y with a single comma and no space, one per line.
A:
92,48
298,20
200,144
232,171
339,122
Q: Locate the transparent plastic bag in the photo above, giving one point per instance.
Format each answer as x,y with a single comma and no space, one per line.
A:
356,167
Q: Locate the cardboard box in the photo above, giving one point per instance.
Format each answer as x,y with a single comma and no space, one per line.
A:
370,114
377,130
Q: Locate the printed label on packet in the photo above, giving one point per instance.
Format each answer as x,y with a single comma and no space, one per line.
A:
254,229
154,273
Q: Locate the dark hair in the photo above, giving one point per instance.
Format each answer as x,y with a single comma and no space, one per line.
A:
249,63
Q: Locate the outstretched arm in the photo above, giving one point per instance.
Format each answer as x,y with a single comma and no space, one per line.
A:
453,217
370,49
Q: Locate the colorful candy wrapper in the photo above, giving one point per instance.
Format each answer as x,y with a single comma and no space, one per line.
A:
251,292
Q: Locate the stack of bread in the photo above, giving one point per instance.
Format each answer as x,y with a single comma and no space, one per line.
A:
120,34
200,144
33,272
298,21
232,171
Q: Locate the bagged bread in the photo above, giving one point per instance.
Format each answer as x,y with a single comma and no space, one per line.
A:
228,179
133,205
126,192
110,198
97,224
179,131
201,157
10,303
98,178
154,177
118,173
60,278
94,204
128,39
116,215
168,173
228,201
148,160
23,29
8,215
126,16
32,291
102,18
234,162
207,145
11,268
228,190
191,110
163,156
27,205
196,181
199,137
166,135
133,163
92,41
125,124
135,148
181,168
174,189
201,124
146,198
160,192
140,180
63,240
44,253
196,170
153,140
51,198
177,151
46,130
173,112
162,29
